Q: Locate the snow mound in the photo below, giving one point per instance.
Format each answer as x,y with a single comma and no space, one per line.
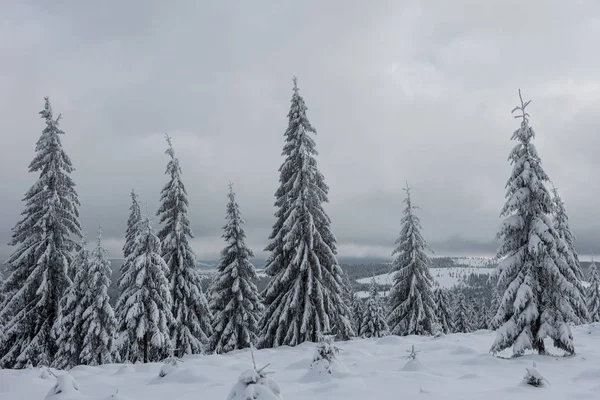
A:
533,377
413,365
125,369
66,387
255,385
390,341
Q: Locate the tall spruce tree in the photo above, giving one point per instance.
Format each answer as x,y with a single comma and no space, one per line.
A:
235,300
443,310
593,295
41,262
98,322
68,328
305,296
373,322
145,299
131,234
566,247
411,304
192,327
539,298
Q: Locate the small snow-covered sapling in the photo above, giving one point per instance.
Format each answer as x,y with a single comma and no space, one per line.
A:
412,353
533,377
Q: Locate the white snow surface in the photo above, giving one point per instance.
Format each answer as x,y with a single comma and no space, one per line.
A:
442,277
452,367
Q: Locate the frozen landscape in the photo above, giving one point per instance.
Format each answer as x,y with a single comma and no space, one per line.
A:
452,367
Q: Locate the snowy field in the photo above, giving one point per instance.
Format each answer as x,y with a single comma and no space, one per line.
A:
453,367
443,277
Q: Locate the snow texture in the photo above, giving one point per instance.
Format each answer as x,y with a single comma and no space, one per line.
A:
456,367
235,300
305,296
40,266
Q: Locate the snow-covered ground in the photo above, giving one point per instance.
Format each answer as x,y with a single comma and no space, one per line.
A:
445,277
453,367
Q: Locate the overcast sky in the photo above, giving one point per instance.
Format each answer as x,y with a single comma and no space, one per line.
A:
397,90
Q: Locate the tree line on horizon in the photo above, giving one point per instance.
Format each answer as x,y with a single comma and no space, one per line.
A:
55,310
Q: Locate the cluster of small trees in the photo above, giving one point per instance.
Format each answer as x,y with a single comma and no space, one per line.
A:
55,309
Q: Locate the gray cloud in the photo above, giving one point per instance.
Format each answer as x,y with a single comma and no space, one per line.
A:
417,91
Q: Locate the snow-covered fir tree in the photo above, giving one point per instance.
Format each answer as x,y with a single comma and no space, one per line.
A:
373,322
495,304
443,310
145,299
539,297
462,317
132,230
131,234
192,327
68,328
44,244
411,304
235,300
305,296
566,248
593,295
358,309
98,321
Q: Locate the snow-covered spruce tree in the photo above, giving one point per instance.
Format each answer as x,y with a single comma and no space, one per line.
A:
305,296
235,300
495,304
40,263
566,248
593,295
443,310
411,304
98,320
358,309
373,320
68,328
145,299
131,233
192,329
462,318
539,297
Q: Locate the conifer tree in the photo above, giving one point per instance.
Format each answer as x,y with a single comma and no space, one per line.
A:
593,296
131,234
41,261
358,309
539,297
235,300
566,248
68,328
98,320
411,303
305,296
462,318
192,329
443,310
145,299
373,320
495,304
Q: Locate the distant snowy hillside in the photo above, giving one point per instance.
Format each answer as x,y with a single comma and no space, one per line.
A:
452,367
